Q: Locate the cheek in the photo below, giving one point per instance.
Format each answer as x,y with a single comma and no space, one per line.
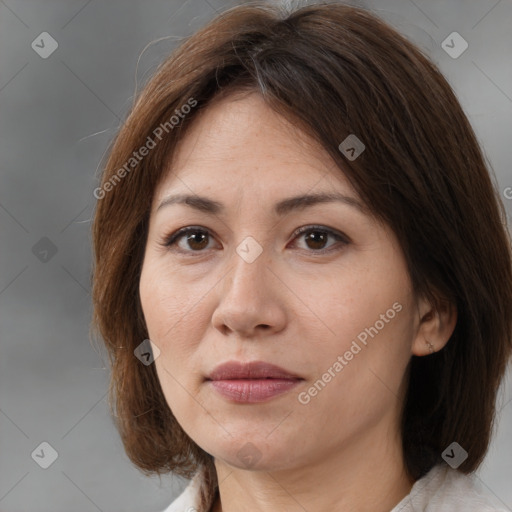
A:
167,302
345,302
172,315
168,312
177,312
368,317
367,380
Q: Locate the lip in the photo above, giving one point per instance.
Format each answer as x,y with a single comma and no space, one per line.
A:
251,370
253,390
255,381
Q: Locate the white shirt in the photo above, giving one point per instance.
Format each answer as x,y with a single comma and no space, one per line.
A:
442,489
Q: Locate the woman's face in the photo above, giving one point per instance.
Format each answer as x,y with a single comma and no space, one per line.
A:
332,305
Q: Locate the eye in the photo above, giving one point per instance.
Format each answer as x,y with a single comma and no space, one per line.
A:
317,236
197,238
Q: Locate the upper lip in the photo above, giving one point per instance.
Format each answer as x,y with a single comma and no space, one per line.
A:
249,370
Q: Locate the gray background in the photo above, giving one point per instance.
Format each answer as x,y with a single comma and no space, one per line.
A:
58,116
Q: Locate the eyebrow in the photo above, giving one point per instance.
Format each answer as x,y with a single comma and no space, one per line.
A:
206,205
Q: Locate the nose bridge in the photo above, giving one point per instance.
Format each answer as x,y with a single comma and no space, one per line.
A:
249,266
247,300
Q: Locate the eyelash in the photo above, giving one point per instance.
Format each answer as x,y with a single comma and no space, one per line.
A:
173,238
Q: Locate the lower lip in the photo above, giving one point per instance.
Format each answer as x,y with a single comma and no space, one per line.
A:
253,390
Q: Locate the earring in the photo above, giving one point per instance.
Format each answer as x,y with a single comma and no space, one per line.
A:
430,347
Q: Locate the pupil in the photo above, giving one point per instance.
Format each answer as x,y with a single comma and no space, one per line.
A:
191,238
319,239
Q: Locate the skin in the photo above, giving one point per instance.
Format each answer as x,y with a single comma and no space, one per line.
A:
292,306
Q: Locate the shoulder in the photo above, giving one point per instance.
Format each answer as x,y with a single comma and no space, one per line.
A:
444,489
189,499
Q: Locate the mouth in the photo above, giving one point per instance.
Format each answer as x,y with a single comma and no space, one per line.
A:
252,390
251,382
253,370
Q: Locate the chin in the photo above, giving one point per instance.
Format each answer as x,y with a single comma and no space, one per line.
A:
255,454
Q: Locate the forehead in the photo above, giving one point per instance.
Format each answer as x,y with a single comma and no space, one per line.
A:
239,142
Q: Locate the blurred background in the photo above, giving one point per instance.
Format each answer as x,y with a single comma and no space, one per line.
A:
68,74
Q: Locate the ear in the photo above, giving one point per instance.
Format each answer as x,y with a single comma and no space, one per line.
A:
435,325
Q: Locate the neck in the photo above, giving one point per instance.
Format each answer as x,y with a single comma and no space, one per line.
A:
366,474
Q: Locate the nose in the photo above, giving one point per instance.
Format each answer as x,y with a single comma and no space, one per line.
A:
250,299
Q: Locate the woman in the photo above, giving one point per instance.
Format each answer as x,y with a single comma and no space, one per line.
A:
302,271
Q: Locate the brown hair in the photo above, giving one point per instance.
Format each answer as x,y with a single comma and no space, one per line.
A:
334,70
